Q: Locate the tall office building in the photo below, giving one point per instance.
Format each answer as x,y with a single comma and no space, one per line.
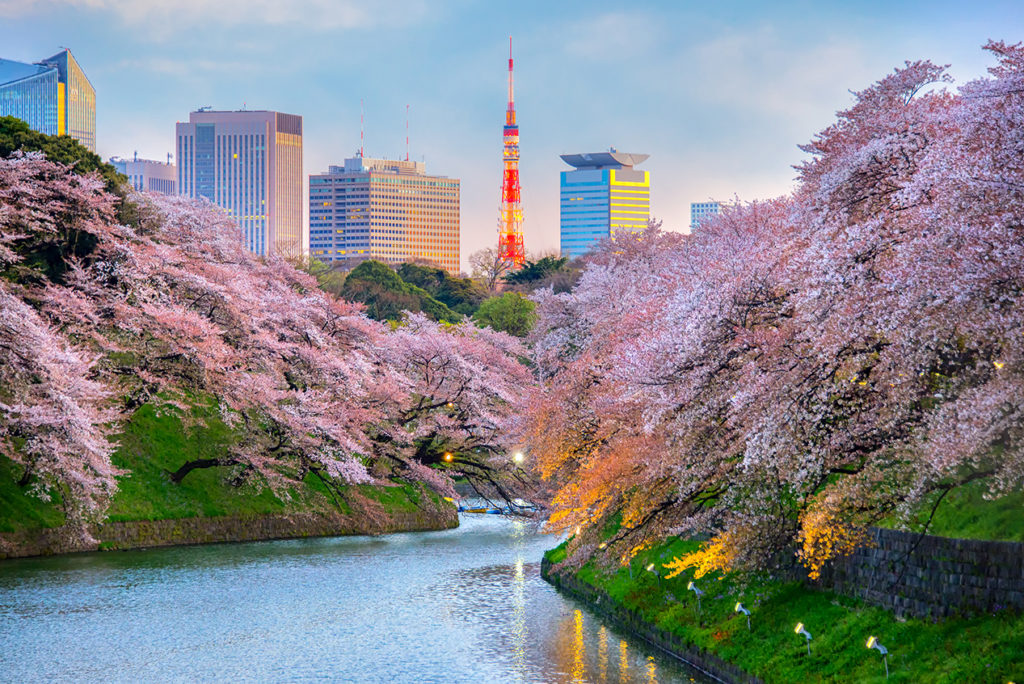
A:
147,175
53,96
604,195
703,211
392,211
249,163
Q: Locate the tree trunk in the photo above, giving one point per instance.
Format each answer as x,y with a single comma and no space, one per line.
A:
178,475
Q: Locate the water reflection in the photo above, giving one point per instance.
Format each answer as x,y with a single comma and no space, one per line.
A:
464,605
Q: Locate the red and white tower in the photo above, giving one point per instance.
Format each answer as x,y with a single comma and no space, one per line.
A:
510,216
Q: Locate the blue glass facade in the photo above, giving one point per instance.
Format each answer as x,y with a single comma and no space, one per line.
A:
584,204
53,97
596,203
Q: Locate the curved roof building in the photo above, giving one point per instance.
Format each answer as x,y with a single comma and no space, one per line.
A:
612,159
603,195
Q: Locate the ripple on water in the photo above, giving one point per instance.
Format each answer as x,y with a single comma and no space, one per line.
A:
464,605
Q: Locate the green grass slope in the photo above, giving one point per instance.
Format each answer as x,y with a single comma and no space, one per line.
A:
155,443
987,648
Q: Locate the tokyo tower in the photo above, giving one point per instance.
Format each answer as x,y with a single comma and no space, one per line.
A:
510,216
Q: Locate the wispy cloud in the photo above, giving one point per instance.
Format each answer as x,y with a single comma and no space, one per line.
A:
760,69
610,36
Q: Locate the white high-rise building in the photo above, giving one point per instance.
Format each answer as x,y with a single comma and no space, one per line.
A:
147,175
249,163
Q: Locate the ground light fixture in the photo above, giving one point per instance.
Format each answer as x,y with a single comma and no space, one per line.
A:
873,643
807,635
518,457
741,609
448,457
693,587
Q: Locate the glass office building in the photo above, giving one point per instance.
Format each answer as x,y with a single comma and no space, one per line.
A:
249,163
52,96
383,209
603,196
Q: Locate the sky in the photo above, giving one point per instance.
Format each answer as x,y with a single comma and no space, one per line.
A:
720,94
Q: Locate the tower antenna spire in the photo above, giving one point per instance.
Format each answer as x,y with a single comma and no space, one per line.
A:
406,132
361,115
510,216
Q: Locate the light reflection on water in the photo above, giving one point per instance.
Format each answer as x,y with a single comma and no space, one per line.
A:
464,605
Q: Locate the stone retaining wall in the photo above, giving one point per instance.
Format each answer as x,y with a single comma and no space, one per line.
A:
630,621
149,533
928,576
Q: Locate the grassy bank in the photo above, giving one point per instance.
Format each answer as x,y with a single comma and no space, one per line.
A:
966,513
154,444
988,648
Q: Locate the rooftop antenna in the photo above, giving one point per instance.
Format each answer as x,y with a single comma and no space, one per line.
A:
406,132
136,156
361,113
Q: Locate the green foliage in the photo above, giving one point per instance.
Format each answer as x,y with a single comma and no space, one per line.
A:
511,312
980,649
329,279
386,295
533,271
15,135
461,295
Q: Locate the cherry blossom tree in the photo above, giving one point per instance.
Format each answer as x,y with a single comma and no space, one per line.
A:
802,368
173,306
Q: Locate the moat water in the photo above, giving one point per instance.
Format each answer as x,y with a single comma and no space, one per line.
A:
462,605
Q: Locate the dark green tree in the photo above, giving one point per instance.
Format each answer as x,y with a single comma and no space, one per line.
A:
16,135
386,295
511,312
549,271
461,295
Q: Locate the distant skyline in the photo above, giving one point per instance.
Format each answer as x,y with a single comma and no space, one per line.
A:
719,95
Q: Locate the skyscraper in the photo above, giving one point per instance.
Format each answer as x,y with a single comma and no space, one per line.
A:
249,163
703,211
53,96
148,175
383,209
602,196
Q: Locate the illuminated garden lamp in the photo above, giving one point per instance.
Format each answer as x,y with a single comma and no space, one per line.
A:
448,457
693,587
577,530
873,643
800,630
518,457
741,609
602,545
651,568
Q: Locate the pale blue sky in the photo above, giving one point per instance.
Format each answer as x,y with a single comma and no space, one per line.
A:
719,94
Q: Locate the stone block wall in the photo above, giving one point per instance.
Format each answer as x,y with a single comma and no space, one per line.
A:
931,576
